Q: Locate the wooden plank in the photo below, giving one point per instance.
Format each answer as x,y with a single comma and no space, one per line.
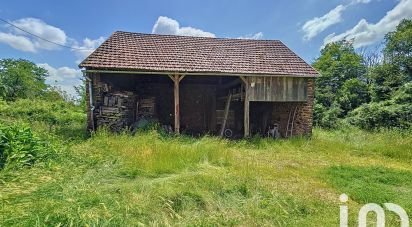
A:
277,89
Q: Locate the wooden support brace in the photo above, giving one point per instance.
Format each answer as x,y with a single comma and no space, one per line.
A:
181,77
171,77
243,79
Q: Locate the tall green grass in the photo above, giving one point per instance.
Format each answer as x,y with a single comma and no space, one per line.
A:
59,118
155,179
152,154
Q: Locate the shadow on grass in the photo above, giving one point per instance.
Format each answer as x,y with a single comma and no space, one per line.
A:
373,184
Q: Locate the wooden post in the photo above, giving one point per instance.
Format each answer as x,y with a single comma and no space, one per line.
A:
177,106
246,111
176,80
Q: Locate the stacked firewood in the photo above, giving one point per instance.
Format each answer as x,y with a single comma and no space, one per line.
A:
117,110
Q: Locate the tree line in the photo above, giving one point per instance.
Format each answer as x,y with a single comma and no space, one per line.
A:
368,89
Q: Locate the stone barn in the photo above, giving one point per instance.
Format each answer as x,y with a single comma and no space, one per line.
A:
196,85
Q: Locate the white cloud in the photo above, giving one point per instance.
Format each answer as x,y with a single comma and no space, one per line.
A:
313,27
86,48
168,26
365,33
258,35
316,25
360,1
63,77
17,42
23,41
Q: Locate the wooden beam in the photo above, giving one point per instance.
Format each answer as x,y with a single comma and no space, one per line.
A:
246,107
197,73
181,77
171,77
243,79
176,80
246,117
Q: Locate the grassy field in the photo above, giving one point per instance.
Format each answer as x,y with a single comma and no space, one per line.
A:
157,180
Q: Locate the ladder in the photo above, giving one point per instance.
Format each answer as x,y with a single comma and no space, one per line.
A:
226,114
291,121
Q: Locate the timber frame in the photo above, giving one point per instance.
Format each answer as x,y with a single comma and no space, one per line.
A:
246,82
199,85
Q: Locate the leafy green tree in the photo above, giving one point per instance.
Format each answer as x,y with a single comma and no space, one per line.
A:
353,93
341,86
391,86
398,50
396,69
81,93
21,79
385,79
327,117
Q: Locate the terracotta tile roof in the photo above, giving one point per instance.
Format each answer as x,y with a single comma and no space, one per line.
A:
169,53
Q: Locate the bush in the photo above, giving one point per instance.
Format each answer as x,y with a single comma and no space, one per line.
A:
327,117
404,94
50,112
19,147
394,113
387,114
60,117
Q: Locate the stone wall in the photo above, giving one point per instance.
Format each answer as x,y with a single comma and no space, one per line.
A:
304,117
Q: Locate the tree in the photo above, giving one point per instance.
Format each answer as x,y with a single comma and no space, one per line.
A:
369,90
385,79
398,50
353,93
81,93
341,86
21,79
396,69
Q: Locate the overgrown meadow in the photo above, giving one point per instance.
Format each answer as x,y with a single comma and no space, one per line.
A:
54,174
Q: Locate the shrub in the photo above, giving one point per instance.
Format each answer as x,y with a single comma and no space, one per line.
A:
19,147
52,113
394,113
385,114
64,119
327,117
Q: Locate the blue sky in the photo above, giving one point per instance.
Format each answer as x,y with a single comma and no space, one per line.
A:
304,25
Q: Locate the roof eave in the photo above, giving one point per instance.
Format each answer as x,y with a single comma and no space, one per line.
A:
193,73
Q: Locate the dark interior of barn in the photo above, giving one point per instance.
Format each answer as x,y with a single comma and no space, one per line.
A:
206,104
